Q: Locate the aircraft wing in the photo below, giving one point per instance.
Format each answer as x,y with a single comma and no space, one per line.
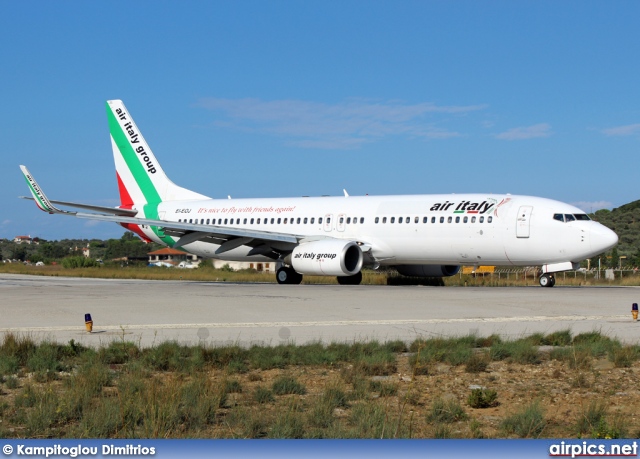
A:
263,242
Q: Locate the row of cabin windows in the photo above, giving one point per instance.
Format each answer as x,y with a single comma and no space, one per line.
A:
258,221
450,219
349,220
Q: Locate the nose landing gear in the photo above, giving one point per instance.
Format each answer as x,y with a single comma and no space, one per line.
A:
547,280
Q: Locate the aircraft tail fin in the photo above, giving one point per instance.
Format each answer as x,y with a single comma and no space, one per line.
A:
141,179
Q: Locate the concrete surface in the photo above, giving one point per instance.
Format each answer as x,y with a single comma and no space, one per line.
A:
148,312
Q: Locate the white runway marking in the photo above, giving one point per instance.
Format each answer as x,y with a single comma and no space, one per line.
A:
332,323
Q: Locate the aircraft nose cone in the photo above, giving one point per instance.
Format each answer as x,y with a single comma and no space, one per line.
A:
602,238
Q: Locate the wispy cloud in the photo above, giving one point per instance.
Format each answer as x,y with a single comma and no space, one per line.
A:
527,132
6,222
629,129
344,125
592,206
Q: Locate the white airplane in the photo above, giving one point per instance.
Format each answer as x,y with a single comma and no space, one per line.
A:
419,235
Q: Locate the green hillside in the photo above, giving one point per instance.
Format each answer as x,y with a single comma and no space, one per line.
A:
625,221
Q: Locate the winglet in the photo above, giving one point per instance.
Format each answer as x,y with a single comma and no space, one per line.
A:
41,200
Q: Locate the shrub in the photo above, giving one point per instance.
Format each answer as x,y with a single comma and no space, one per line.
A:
476,364
591,417
482,398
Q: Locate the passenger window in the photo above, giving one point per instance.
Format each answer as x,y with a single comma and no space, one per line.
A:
569,218
320,221
252,221
355,220
481,219
489,219
245,221
328,220
449,220
392,220
465,219
258,222
408,219
441,219
417,220
425,219
433,219
377,220
399,220
298,221
313,219
305,220
384,219
457,219
361,220
279,220
473,219
272,220
558,217
225,221
237,221
348,220
286,220
207,221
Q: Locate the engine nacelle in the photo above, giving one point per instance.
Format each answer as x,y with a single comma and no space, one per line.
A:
327,257
428,270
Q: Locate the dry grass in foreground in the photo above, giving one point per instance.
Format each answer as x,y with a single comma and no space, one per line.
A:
555,385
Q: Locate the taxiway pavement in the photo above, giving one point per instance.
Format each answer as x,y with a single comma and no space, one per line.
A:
149,312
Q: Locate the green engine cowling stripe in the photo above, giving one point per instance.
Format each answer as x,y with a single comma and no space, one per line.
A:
139,174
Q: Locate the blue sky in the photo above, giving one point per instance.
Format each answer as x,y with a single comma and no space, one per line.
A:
291,98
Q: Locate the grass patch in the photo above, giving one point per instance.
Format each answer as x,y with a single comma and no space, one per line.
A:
263,395
446,411
288,385
529,422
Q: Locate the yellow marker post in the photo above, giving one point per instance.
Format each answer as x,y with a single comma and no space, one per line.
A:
634,311
88,323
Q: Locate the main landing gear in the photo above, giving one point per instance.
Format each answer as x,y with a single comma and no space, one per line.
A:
350,280
286,275
547,280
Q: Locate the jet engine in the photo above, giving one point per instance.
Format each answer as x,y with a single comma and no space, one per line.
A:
327,257
428,270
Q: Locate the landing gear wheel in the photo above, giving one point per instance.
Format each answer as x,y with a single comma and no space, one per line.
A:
286,275
547,280
350,280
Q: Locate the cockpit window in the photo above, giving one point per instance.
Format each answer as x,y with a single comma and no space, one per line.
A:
581,216
558,217
569,218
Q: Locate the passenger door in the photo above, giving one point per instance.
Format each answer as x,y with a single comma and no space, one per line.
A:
523,222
